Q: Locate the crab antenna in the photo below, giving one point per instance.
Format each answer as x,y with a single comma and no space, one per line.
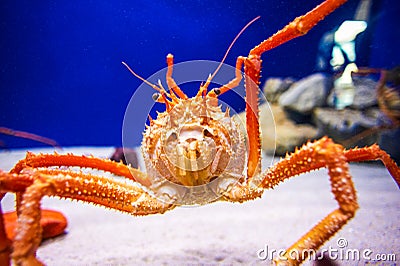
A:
163,90
227,51
142,79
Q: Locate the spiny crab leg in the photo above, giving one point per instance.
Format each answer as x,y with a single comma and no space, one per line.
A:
18,185
302,161
52,222
298,27
252,68
27,135
342,187
373,153
45,160
33,162
84,187
313,156
5,243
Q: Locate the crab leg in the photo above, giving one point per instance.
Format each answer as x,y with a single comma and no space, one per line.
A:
29,231
27,135
84,187
45,160
5,243
252,68
21,181
52,222
299,26
332,156
312,156
302,161
374,153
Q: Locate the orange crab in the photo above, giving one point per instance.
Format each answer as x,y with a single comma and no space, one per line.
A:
194,154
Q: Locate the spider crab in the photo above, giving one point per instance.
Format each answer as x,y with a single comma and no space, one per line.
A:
194,154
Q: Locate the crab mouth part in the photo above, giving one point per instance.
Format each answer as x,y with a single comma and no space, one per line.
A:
193,156
190,149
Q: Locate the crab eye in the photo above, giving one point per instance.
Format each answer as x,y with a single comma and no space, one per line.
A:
207,133
155,96
213,178
172,137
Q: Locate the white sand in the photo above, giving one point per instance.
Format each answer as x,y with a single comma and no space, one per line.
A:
222,233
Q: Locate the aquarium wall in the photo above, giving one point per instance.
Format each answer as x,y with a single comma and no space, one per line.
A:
61,74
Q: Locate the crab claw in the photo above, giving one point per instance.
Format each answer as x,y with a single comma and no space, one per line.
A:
52,222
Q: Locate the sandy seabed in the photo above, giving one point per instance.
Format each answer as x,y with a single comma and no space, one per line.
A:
224,233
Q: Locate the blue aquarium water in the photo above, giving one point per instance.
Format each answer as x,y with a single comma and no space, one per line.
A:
61,73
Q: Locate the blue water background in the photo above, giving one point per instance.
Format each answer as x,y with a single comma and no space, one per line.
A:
61,74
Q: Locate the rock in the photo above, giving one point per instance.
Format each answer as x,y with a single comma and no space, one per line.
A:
307,93
274,87
389,140
364,93
127,156
343,126
288,135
